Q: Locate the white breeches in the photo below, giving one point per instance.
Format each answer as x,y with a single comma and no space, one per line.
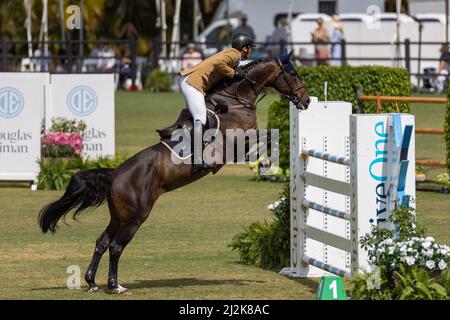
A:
195,100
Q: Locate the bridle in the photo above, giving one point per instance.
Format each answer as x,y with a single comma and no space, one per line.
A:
260,87
284,70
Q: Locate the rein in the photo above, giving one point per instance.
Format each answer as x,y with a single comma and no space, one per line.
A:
234,96
292,97
246,102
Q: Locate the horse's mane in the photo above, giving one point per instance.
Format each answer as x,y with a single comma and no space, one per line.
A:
227,82
253,63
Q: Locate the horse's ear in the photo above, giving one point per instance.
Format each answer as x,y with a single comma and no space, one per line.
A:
285,57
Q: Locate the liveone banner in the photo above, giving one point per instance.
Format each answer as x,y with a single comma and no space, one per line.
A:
87,97
22,102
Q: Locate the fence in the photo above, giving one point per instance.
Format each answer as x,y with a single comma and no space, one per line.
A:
68,56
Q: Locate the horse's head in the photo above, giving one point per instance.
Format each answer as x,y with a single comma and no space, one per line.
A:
287,81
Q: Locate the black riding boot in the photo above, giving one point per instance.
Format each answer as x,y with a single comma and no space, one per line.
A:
198,164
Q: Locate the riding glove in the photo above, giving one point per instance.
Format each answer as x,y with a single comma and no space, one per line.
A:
238,73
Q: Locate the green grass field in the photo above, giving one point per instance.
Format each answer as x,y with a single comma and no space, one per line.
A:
181,251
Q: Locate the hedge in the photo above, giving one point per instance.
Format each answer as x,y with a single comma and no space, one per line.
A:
342,85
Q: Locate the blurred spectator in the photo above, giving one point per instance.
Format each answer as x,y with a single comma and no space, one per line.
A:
107,60
191,57
95,53
320,36
279,39
336,37
444,64
125,66
40,61
244,28
61,63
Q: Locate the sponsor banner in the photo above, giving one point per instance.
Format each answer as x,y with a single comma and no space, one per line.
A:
374,146
377,157
22,105
87,97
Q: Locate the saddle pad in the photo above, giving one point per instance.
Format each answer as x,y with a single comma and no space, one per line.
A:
183,150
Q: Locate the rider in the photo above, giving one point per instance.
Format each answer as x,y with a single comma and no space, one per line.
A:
197,80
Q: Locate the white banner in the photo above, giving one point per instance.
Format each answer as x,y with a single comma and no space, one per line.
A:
87,97
22,104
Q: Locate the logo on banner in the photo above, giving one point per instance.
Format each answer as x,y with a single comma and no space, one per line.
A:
82,101
11,102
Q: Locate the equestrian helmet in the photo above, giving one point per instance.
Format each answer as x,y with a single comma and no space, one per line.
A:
241,40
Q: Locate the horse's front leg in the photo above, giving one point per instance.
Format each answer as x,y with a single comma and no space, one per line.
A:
123,237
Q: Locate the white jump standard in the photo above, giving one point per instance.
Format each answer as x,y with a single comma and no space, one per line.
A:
342,181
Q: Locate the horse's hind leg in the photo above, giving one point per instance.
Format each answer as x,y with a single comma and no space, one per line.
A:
101,245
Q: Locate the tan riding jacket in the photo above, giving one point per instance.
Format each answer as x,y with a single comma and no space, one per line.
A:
207,73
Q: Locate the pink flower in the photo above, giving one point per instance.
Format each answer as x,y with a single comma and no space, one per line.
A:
63,139
72,139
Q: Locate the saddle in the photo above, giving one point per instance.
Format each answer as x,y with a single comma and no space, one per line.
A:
184,126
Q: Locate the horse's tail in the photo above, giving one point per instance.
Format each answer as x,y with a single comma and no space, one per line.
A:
85,189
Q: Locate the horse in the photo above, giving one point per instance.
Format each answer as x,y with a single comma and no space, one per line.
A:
131,189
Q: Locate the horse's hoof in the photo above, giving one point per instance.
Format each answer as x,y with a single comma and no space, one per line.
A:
120,290
93,289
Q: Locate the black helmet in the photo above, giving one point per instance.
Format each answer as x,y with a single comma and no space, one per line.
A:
241,40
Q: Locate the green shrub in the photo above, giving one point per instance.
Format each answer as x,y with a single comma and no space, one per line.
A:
55,173
342,84
266,244
406,284
158,81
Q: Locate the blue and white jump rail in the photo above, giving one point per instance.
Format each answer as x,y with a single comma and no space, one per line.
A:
347,173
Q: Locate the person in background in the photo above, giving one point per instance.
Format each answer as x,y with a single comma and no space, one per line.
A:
336,37
61,62
124,66
244,28
444,64
279,38
95,52
107,60
191,57
41,62
319,37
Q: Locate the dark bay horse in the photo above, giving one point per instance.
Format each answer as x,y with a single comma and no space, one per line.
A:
131,189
